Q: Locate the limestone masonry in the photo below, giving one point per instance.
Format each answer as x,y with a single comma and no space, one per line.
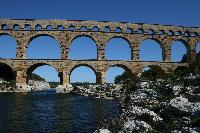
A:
65,31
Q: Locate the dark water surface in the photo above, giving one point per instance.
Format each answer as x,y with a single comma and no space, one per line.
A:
40,112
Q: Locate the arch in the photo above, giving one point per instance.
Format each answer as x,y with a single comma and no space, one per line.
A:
43,38
33,67
153,72
95,29
198,47
49,27
16,27
118,30
27,27
71,28
83,28
115,71
7,50
151,50
107,29
60,27
129,30
6,72
179,51
79,47
4,26
86,66
38,27
118,48
182,71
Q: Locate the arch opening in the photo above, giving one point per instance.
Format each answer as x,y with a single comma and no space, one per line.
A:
153,72
83,48
6,73
43,47
119,74
179,51
83,74
7,46
151,50
43,72
118,48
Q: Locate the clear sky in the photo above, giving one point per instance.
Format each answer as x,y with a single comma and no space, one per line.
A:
170,12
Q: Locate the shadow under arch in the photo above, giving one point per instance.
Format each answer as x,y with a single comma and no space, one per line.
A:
83,65
157,42
13,38
38,36
90,40
6,72
31,68
125,40
153,72
182,71
127,72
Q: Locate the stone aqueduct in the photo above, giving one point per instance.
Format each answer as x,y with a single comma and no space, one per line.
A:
65,32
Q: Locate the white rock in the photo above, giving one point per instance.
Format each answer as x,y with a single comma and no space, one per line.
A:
136,125
183,104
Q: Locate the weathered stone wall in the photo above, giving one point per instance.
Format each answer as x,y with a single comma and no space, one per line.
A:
64,31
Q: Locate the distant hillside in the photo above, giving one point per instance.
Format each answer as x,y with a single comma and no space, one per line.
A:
37,77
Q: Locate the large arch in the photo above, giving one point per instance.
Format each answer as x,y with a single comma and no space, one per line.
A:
48,72
79,47
7,46
86,69
6,72
118,48
39,48
151,50
179,51
198,52
117,70
153,72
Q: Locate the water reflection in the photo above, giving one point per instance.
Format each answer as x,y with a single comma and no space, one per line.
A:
53,113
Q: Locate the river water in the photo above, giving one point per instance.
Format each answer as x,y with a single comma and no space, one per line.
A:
44,112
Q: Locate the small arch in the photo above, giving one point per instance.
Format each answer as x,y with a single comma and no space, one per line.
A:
129,30
83,73
71,28
118,48
83,28
4,26
118,30
38,27
140,31
60,27
95,29
150,32
187,34
49,27
6,72
27,27
80,43
178,33
153,72
170,33
16,27
161,32
107,29
151,50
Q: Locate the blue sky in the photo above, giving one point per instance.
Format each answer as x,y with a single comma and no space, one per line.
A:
170,12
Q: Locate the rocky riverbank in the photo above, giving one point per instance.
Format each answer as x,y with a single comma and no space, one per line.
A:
171,105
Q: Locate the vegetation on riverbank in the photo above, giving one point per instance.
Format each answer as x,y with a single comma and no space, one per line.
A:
158,105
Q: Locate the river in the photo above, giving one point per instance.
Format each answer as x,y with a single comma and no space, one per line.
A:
49,112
